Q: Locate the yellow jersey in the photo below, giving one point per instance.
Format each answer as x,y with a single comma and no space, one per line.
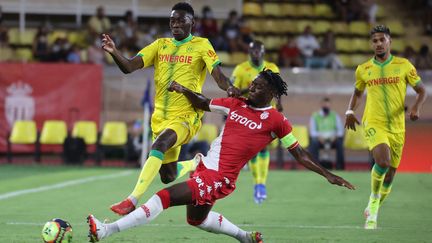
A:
386,85
186,62
245,72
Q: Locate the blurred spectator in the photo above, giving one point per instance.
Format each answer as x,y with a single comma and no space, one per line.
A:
245,35
410,54
310,49
208,28
98,24
289,55
127,32
40,48
428,17
96,55
369,10
326,131
424,59
328,49
60,49
74,54
4,38
231,31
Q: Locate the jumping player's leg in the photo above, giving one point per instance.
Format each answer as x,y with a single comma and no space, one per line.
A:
387,184
263,165
163,142
210,221
178,194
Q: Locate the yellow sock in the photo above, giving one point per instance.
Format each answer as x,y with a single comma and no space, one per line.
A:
263,166
253,166
148,173
377,178
184,167
385,190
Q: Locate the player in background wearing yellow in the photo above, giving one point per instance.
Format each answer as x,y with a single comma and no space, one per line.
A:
243,75
385,78
186,59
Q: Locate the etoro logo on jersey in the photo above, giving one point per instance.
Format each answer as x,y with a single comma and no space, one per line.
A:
244,121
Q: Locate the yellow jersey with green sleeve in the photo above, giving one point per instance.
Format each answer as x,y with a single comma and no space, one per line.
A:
386,84
245,72
186,62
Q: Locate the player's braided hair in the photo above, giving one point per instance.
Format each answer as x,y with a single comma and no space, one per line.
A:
275,81
380,29
184,6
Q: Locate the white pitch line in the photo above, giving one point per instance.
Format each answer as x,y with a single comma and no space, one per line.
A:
62,185
241,225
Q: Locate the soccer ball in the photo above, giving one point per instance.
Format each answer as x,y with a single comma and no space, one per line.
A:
57,231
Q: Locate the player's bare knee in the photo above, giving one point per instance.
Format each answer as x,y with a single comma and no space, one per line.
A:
167,178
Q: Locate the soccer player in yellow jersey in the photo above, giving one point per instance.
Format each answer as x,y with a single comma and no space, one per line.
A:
185,59
385,78
243,75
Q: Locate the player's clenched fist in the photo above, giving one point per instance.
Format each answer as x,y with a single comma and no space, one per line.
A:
174,86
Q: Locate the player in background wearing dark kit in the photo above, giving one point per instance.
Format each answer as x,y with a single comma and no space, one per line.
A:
252,121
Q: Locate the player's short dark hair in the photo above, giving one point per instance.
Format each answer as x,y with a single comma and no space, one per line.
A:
380,29
185,7
275,81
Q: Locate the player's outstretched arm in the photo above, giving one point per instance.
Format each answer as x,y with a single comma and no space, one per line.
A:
198,100
350,118
420,99
304,158
224,83
126,65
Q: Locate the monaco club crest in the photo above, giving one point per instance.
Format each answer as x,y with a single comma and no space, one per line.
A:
19,104
264,115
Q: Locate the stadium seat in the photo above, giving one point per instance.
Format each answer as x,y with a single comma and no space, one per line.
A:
86,130
224,58
252,9
398,45
340,28
23,54
23,132
6,54
286,25
358,59
301,25
114,133
396,27
323,10
272,9
270,25
355,140
53,132
289,9
346,60
256,25
360,44
27,37
305,10
238,57
208,133
343,44
321,27
359,28
14,36
302,134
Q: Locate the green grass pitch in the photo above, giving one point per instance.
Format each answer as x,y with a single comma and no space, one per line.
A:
301,207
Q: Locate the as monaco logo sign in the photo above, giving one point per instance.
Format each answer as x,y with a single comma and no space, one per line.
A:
19,104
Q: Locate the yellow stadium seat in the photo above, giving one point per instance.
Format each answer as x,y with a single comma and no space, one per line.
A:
301,25
272,9
302,134
286,25
289,9
53,132
23,54
358,59
396,27
238,57
114,133
208,133
23,132
323,10
86,130
224,58
305,10
360,44
343,44
253,9
359,28
321,27
14,36
6,54
340,28
255,25
355,140
270,25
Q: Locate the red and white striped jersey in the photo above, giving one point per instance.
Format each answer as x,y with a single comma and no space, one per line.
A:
247,131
